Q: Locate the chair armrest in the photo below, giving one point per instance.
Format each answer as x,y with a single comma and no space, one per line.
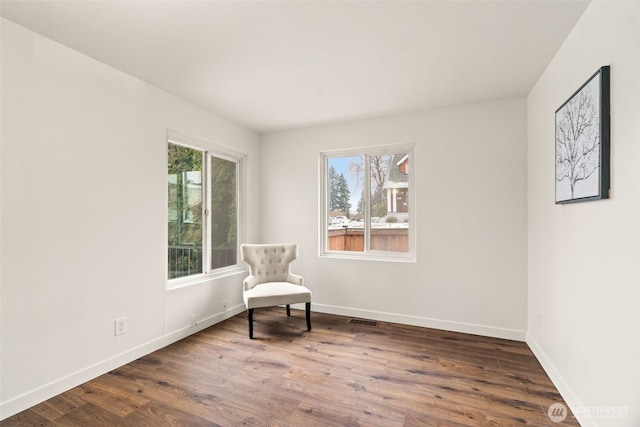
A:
295,279
249,282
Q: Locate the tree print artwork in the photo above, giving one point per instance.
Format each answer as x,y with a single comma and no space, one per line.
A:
579,144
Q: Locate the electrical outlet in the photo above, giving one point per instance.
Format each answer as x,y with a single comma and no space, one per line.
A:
120,326
224,305
192,320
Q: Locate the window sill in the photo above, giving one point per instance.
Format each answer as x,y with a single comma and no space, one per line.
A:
369,256
198,279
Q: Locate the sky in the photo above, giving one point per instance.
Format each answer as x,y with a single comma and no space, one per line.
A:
341,165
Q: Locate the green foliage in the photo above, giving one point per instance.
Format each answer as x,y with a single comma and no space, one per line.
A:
185,196
360,208
182,159
185,210
339,192
223,203
379,210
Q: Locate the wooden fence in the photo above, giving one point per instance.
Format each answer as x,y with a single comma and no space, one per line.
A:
382,239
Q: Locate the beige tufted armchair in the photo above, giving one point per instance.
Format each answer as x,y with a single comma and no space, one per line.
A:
270,281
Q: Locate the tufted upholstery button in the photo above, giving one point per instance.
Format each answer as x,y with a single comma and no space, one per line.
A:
271,262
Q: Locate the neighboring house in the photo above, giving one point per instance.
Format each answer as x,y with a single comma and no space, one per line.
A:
396,185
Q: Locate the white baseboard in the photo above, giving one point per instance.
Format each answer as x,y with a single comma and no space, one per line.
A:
47,391
468,328
563,387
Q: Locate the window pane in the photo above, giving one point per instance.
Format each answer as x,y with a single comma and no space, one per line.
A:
224,226
185,211
345,203
366,207
389,202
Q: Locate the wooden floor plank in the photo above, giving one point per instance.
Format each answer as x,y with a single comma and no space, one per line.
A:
58,406
339,374
89,414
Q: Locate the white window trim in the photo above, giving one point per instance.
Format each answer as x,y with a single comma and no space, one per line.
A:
178,138
367,254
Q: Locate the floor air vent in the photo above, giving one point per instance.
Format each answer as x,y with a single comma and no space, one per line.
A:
364,322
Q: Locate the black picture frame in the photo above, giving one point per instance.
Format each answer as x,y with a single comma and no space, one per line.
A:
582,154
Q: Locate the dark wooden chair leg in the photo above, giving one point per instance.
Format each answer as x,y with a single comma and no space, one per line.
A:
288,311
308,310
250,312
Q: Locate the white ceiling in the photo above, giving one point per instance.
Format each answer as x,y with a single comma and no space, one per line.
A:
274,65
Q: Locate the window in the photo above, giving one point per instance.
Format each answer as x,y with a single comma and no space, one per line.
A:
366,203
203,210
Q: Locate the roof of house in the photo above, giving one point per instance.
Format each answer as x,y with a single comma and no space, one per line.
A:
395,178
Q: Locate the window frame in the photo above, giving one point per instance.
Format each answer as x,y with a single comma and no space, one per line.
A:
367,253
208,150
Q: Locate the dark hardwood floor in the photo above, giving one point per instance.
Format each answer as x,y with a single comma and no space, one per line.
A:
339,374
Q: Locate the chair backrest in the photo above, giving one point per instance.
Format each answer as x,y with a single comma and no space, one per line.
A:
269,262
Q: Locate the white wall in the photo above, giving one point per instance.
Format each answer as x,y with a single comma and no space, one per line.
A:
83,200
470,273
584,258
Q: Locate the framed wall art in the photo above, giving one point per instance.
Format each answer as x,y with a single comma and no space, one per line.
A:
582,142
